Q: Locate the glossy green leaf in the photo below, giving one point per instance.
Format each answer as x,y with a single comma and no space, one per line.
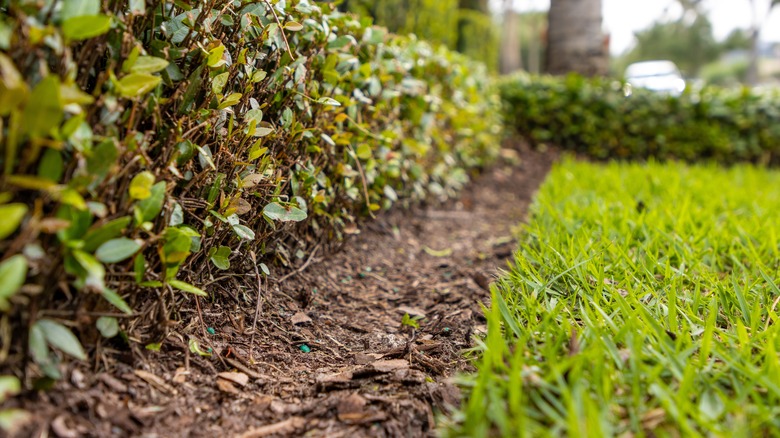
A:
141,185
149,208
244,232
77,8
221,257
230,100
328,101
148,65
137,84
176,246
85,26
12,215
44,109
116,300
293,26
95,271
97,236
51,166
60,337
186,287
195,348
139,267
277,212
117,250
9,387
13,273
108,326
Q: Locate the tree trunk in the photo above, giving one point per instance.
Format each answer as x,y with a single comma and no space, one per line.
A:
575,42
511,55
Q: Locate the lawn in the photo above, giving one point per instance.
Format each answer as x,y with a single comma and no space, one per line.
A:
643,301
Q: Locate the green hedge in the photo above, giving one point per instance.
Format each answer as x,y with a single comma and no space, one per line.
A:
600,118
147,145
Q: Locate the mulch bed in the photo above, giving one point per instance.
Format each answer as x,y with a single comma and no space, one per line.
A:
329,355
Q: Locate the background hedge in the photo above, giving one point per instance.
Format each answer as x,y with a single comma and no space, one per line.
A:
147,145
606,119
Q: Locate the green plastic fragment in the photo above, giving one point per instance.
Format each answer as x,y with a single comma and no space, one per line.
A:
305,348
211,331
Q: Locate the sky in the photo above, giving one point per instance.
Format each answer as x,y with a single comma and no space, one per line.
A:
624,17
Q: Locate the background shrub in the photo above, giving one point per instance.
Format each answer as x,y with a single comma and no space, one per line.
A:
146,145
600,118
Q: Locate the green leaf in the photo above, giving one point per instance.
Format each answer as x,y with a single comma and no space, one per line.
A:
151,207
102,158
60,337
98,236
95,271
244,232
221,257
85,26
341,42
12,215
112,297
154,346
194,348
277,212
230,100
9,387
44,109
13,273
328,101
215,57
293,26
218,82
176,246
136,84
108,326
139,267
12,419
51,166
116,250
149,64
77,8
186,287
40,351
141,185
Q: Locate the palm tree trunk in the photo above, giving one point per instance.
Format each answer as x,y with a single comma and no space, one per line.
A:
575,41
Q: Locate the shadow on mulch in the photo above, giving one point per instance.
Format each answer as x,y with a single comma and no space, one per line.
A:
329,356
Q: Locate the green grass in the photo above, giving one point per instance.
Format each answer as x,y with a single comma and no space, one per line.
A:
642,302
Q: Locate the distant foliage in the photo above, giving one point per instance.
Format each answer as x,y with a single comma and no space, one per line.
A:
455,24
596,117
146,145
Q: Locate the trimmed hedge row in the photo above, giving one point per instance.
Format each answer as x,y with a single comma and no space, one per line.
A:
605,119
146,145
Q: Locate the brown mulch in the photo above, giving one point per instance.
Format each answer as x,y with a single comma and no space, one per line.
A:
329,356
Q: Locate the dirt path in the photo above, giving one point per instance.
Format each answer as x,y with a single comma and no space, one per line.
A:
331,357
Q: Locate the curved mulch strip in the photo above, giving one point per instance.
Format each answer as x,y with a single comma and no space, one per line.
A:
365,374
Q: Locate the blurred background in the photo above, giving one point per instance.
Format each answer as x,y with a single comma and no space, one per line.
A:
719,42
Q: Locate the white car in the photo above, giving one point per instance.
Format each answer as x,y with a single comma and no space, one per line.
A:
660,76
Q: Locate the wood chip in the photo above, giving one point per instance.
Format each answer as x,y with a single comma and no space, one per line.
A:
386,366
342,377
226,386
155,381
286,427
180,376
300,318
352,408
239,379
412,311
112,382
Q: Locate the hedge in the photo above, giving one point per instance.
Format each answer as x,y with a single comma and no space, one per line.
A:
604,118
147,145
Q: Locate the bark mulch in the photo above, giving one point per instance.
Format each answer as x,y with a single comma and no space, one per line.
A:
330,355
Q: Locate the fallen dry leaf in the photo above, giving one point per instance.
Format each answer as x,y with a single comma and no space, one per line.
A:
351,408
285,427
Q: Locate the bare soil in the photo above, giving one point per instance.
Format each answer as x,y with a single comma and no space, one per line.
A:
330,355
